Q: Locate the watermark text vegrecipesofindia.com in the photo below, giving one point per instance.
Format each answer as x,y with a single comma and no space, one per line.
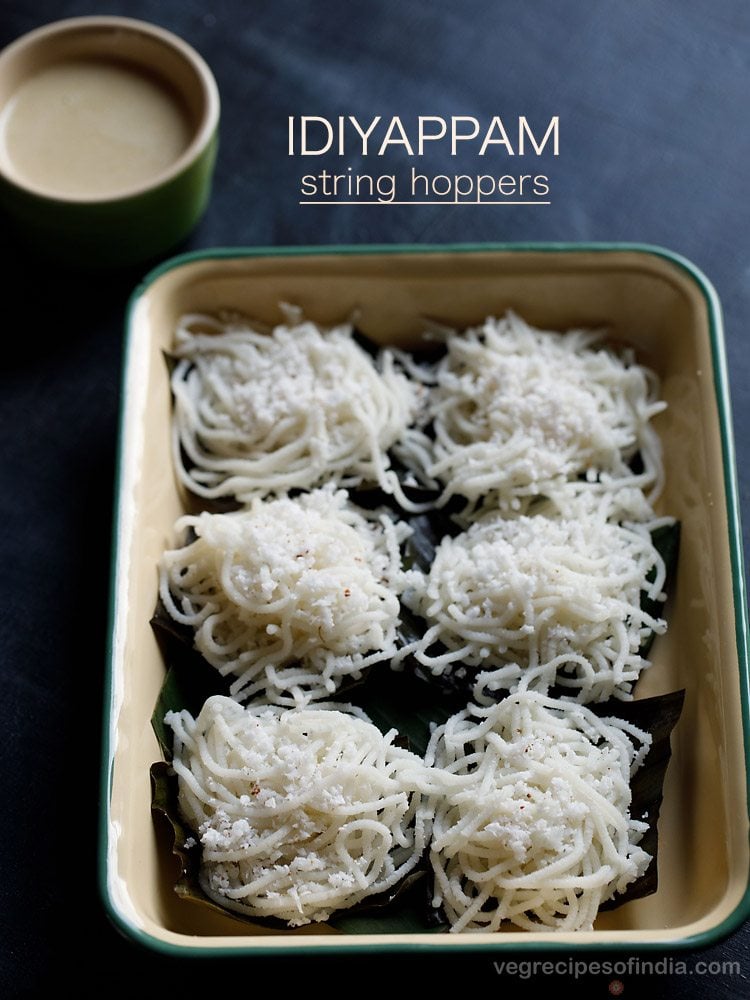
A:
632,966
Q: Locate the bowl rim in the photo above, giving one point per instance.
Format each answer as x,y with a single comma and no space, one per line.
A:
199,142
348,945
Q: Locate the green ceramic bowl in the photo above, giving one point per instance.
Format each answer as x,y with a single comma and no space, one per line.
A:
59,112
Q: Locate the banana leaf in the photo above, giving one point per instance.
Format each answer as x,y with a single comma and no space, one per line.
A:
411,702
403,702
657,716
391,700
189,680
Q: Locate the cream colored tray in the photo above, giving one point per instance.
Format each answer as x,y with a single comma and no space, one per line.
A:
648,298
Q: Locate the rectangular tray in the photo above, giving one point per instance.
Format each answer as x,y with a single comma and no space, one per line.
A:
647,297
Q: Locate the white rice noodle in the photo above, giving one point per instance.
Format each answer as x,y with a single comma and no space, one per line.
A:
299,813
537,831
290,596
259,415
518,412
548,599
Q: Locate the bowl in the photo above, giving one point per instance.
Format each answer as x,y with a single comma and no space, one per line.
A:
108,136
648,298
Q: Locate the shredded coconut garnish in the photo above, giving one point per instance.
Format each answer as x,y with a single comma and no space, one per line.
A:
289,596
259,414
299,812
518,412
548,599
537,829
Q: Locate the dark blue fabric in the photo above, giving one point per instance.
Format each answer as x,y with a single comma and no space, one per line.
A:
654,147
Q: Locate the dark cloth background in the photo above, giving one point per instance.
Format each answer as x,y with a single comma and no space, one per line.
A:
655,145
